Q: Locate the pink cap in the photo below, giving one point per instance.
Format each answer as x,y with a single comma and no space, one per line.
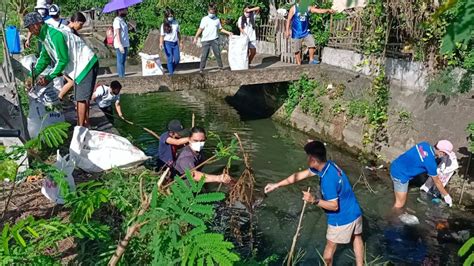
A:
445,146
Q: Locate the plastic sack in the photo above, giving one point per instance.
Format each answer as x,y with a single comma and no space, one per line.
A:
49,188
409,219
97,151
238,52
44,105
151,65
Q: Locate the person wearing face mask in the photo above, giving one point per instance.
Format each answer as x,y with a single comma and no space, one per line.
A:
210,27
170,39
121,40
192,155
246,24
170,142
55,19
419,159
105,96
42,8
344,215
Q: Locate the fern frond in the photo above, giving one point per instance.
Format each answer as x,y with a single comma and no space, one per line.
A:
191,219
202,209
210,197
466,247
53,136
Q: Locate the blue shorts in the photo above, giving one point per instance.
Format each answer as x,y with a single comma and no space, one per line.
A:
398,186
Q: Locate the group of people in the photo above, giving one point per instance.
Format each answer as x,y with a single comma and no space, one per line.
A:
73,62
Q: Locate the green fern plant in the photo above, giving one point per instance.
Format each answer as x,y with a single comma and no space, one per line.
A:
176,226
53,136
87,198
465,249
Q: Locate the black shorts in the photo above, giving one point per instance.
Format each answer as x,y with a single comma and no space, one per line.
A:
83,91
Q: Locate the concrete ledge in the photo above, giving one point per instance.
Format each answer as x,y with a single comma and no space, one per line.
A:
226,78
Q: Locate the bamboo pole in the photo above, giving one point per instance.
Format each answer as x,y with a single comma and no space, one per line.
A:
295,237
192,120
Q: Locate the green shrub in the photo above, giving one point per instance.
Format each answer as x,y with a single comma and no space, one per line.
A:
358,108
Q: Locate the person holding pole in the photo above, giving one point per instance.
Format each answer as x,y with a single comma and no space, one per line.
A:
344,215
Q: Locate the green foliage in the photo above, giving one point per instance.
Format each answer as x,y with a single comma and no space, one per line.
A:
374,21
176,227
302,92
27,241
459,31
358,108
445,84
337,108
465,249
470,132
225,151
53,136
319,23
271,260
87,198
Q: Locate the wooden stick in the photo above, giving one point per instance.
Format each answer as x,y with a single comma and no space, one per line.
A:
192,121
154,134
295,237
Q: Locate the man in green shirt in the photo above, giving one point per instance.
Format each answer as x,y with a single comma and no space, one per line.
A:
69,55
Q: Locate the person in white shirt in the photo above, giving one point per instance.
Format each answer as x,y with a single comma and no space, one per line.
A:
105,96
210,27
246,24
121,40
55,19
170,39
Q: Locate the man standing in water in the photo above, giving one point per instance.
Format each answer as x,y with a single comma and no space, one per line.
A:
344,215
419,159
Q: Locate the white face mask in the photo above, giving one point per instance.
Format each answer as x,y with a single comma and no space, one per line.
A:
170,19
211,15
197,146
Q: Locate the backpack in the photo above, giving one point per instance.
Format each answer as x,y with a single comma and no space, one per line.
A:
109,36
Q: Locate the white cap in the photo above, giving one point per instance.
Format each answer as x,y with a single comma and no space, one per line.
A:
54,10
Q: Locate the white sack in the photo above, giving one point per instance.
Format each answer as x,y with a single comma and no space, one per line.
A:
238,52
97,151
151,65
49,188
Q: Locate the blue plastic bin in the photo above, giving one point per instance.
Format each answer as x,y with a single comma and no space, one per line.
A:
13,39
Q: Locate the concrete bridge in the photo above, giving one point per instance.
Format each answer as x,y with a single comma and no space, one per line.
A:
226,78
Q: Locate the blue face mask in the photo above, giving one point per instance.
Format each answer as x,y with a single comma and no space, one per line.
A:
211,15
170,19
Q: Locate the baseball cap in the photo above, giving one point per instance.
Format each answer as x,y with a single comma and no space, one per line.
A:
175,126
54,10
445,146
32,18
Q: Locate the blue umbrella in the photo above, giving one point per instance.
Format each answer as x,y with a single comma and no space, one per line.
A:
119,4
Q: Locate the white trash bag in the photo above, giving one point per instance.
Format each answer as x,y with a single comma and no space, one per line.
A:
151,65
44,105
96,151
50,189
238,52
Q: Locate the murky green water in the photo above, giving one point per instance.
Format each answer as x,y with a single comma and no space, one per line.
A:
276,152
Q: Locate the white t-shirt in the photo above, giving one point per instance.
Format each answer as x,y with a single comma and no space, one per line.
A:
61,24
211,27
248,29
173,35
105,97
119,23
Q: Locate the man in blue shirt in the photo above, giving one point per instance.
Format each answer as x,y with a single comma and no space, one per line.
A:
419,159
298,17
344,216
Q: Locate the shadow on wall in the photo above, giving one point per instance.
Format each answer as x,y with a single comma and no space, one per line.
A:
258,101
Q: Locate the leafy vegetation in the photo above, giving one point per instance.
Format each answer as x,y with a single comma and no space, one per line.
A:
358,108
470,132
464,250
305,92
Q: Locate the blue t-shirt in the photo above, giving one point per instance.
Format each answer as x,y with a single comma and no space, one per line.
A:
299,24
417,160
336,186
165,152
